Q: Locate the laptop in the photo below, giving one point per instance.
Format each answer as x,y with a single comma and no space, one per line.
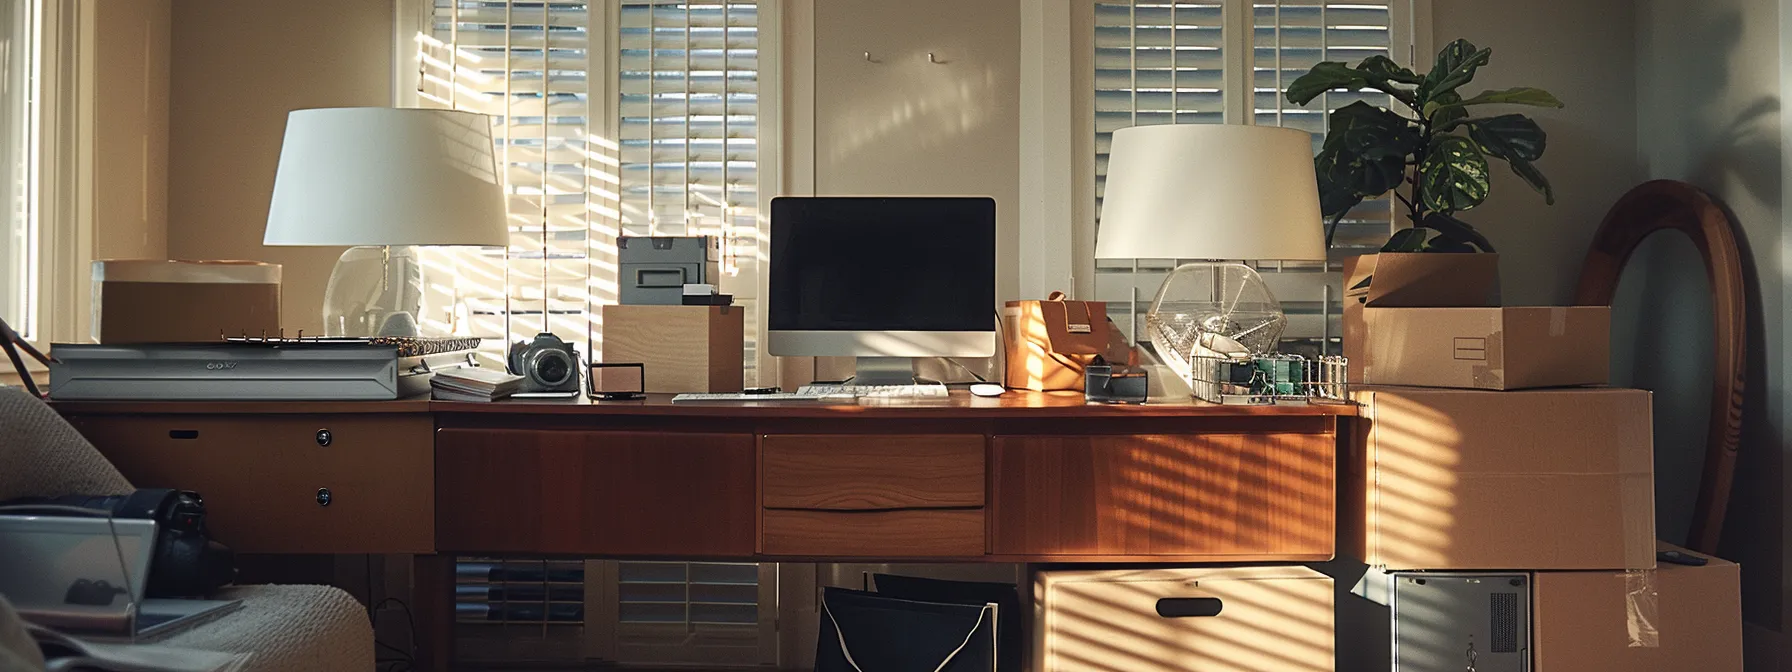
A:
70,574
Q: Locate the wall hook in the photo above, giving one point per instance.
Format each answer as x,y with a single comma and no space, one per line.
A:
868,58
935,61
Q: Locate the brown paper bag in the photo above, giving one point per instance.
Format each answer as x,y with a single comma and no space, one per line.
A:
1049,343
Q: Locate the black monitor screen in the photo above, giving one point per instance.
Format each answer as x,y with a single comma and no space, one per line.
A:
883,264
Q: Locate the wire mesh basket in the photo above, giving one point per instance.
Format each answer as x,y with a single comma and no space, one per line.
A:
1269,379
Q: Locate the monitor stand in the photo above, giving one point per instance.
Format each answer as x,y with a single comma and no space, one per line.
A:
884,371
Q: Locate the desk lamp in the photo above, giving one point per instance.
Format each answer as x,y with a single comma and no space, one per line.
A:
1219,194
383,180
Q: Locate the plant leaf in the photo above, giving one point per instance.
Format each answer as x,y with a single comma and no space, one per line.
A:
1406,240
1522,95
1443,111
1382,67
1531,176
1456,65
1453,175
1365,150
1324,77
1453,234
1513,137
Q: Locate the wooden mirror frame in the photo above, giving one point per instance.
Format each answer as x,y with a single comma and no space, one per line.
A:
1663,205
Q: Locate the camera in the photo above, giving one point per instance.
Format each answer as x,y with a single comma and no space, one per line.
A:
547,365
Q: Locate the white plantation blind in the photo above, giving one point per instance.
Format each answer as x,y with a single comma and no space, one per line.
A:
693,612
1159,62
528,65
18,126
689,129
670,150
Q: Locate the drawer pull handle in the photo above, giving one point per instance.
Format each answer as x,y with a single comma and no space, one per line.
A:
325,437
183,434
1189,607
323,497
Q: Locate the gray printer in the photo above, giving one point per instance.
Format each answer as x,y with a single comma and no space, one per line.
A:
656,269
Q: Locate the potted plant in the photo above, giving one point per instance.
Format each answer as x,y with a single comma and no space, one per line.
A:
1436,148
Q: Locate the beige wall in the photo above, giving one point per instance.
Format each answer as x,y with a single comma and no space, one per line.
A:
1711,85
904,126
238,67
1583,52
131,52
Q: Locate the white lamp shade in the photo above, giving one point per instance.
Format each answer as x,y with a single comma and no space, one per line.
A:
385,176
1211,191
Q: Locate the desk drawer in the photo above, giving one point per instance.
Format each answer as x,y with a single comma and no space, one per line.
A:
954,533
1224,497
261,476
872,472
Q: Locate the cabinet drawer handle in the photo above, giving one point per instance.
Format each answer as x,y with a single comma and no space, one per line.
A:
183,434
1189,607
324,497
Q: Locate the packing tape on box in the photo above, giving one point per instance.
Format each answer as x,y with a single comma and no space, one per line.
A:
1558,321
1640,609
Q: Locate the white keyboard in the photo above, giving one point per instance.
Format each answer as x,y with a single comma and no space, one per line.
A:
934,391
769,396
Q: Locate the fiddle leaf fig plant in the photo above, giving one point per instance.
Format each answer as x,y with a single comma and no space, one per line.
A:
1437,148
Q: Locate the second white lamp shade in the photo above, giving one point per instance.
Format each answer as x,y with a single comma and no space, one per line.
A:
1211,191
386,176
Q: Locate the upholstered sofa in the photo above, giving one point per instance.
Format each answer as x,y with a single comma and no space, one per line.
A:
284,628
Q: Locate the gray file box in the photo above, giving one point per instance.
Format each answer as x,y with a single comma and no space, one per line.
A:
656,269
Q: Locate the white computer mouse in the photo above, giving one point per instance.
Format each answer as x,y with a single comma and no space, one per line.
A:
987,390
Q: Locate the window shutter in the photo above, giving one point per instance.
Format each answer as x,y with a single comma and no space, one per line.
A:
689,129
694,613
18,126
526,64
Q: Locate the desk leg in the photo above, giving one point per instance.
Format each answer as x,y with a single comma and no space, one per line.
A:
433,578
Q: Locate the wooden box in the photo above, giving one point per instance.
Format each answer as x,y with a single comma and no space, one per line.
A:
1208,619
681,348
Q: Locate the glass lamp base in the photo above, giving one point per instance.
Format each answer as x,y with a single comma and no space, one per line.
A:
1214,310
375,291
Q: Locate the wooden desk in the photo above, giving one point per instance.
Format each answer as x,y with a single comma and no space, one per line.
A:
1026,477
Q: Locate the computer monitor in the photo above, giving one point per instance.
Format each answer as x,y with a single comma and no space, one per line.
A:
883,279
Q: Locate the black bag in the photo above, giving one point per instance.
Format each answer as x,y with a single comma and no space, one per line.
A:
867,632
187,562
1009,640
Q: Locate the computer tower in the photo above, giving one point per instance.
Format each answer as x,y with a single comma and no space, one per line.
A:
1451,622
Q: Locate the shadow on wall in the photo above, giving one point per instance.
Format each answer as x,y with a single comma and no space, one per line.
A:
1699,128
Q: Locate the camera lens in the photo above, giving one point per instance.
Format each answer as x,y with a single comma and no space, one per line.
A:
552,368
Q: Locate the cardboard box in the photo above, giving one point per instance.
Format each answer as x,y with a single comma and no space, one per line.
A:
1411,280
157,301
1588,621
1186,620
1486,348
1470,479
681,348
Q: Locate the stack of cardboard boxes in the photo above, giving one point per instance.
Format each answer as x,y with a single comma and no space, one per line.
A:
1503,492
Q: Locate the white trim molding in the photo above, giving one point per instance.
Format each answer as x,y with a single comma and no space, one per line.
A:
1047,188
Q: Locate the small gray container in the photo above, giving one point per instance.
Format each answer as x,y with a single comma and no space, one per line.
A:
656,269
1449,622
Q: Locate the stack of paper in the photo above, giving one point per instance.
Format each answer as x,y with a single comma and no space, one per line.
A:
473,384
